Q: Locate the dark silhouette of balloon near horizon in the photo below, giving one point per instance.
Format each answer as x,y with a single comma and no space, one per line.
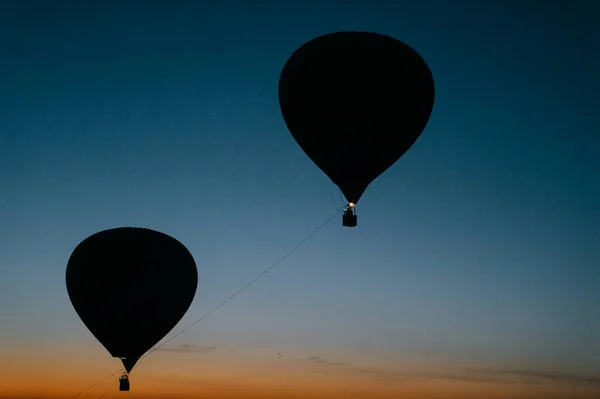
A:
130,287
355,102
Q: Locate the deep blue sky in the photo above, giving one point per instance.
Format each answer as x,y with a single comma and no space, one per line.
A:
479,245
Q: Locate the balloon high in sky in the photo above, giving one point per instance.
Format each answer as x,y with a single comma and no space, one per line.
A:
355,102
130,287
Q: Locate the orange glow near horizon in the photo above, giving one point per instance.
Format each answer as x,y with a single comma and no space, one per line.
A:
182,376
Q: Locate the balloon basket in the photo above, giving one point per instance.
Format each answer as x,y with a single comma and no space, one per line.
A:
124,383
349,219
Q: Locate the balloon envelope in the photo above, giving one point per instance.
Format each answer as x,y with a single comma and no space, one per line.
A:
355,102
130,287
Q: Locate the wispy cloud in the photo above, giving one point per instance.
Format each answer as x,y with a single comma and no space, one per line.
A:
313,360
188,348
534,376
509,376
325,362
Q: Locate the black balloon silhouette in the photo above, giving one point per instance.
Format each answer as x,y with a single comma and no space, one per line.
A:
130,287
355,102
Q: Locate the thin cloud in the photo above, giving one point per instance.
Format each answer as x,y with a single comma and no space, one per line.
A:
534,376
188,348
325,362
507,376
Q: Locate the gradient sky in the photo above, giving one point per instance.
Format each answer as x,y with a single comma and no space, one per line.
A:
473,270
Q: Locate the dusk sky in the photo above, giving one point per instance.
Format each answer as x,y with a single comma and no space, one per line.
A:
473,271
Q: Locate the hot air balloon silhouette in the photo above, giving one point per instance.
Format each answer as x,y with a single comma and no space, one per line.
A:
130,287
355,102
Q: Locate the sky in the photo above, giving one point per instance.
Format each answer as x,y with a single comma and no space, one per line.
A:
472,272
